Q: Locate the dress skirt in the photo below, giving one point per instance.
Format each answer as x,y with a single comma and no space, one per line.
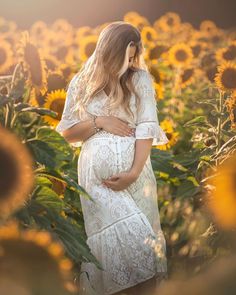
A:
123,227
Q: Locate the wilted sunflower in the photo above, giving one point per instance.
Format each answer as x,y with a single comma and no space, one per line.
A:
221,199
22,250
16,173
55,101
227,53
180,55
226,77
167,127
87,46
6,55
32,60
231,107
149,35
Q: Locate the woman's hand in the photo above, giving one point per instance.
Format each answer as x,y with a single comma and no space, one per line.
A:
114,125
120,181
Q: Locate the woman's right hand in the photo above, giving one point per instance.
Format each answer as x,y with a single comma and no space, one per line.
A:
114,125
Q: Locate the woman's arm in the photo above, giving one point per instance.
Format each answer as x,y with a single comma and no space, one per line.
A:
82,130
142,151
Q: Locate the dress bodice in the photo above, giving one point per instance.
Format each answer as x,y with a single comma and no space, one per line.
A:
99,106
145,120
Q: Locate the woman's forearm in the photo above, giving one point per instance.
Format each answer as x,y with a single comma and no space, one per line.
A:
81,131
142,151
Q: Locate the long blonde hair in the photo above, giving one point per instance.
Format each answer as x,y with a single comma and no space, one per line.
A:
109,64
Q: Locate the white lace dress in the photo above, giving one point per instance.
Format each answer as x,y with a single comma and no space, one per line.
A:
123,227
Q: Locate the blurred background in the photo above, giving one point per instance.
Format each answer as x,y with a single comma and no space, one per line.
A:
94,12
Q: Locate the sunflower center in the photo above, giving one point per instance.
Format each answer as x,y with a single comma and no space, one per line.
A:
8,173
149,36
230,53
57,105
196,50
229,78
61,52
157,51
170,21
2,56
181,55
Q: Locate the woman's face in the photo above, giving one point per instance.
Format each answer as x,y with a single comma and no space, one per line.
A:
131,55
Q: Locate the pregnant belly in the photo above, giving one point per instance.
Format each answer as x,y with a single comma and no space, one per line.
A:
105,154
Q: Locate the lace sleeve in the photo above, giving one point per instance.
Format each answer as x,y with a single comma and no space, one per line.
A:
70,115
147,125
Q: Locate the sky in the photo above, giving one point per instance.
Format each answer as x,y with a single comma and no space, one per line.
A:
95,12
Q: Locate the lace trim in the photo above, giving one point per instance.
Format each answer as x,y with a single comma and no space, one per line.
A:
153,130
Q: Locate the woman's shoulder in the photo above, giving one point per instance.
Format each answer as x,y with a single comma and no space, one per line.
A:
141,74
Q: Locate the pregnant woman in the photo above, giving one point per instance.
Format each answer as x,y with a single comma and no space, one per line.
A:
111,112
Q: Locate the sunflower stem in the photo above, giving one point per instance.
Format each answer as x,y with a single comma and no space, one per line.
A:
219,124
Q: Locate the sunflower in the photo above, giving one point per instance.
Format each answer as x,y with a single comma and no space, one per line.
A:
208,60
167,127
231,107
154,53
66,70
63,28
6,55
131,17
16,173
211,73
159,89
226,54
82,32
187,77
170,22
87,46
208,26
55,101
149,36
226,76
51,61
221,199
32,60
197,48
38,31
22,249
180,55
55,80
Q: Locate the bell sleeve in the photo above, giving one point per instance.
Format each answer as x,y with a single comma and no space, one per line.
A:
70,115
147,124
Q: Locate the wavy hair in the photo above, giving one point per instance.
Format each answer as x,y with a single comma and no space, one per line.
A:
109,65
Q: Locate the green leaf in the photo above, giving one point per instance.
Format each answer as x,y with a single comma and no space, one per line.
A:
47,197
43,153
40,111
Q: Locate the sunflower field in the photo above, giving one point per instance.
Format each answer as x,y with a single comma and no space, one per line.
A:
194,70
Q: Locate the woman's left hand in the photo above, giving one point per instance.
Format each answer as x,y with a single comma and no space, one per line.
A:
120,181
